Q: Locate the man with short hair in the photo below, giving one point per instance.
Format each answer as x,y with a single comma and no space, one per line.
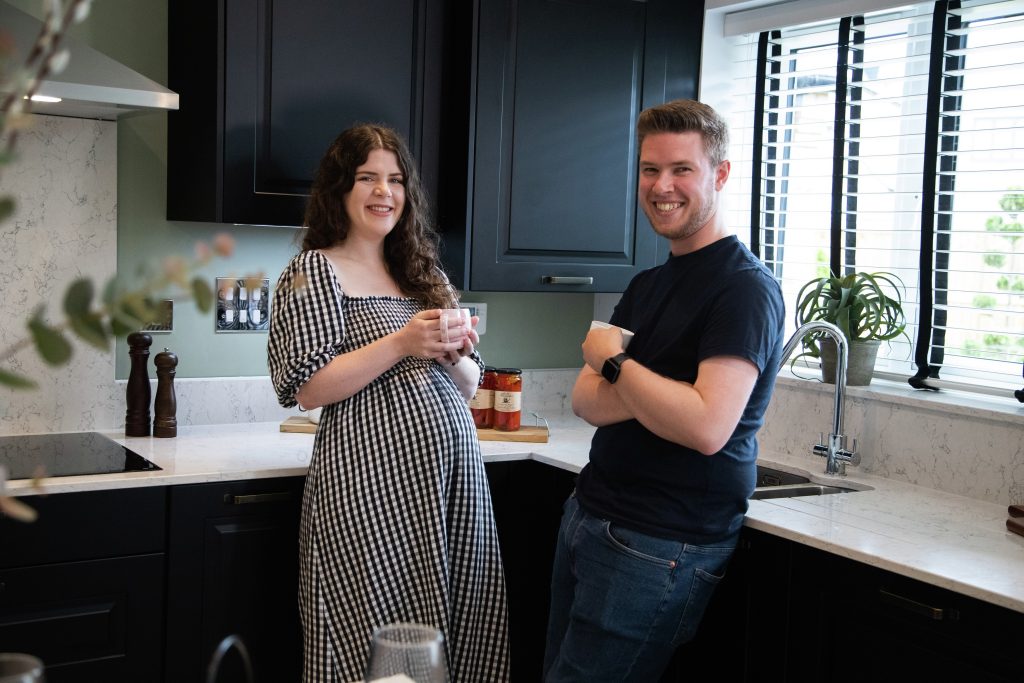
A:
658,509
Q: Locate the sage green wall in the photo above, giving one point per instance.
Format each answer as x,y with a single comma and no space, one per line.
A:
524,330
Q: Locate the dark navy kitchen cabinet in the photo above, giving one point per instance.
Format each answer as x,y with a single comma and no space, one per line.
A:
233,567
854,622
556,90
521,114
791,613
82,587
527,498
266,86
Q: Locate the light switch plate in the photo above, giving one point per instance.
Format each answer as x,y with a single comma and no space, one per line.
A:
243,305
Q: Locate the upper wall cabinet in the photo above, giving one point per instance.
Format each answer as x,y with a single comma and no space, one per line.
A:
557,88
265,87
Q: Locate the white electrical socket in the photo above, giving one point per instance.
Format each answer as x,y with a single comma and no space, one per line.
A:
479,310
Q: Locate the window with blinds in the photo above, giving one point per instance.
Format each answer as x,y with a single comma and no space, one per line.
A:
894,141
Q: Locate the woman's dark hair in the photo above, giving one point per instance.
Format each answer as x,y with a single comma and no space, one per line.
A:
684,116
410,249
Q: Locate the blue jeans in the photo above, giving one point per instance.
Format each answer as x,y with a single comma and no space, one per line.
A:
622,601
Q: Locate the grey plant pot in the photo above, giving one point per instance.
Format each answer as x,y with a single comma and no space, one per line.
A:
860,365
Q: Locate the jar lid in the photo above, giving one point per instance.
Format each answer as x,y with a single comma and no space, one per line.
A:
509,371
489,368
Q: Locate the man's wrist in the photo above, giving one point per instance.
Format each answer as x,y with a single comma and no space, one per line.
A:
613,367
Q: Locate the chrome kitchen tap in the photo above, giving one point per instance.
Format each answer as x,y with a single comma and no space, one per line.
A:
834,449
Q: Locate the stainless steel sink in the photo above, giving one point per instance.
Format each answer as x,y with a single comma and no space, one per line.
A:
795,490
769,476
774,483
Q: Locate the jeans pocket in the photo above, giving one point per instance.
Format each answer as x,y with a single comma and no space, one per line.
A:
660,551
707,566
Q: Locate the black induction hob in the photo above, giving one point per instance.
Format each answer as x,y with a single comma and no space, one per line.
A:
66,455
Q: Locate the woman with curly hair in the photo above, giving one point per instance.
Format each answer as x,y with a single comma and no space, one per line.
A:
396,514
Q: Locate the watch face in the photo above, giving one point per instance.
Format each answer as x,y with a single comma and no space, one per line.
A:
610,369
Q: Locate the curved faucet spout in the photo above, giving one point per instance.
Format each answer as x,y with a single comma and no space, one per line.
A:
836,455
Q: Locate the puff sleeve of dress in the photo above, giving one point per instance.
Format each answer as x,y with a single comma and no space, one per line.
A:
306,324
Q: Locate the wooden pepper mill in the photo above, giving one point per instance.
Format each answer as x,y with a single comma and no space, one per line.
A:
165,423
137,395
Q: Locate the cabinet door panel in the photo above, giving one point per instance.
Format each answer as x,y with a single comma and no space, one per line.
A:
233,569
288,77
558,88
87,621
573,118
305,102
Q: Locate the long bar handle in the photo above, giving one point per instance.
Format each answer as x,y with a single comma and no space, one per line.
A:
934,613
567,280
232,499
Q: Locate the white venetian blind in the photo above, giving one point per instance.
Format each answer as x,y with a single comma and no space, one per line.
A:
847,174
978,333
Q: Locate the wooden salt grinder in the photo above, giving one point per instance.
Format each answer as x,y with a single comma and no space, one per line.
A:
165,423
137,395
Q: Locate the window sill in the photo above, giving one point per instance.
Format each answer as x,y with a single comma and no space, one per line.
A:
946,401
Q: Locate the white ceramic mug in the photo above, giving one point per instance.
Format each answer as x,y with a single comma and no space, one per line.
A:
627,336
455,324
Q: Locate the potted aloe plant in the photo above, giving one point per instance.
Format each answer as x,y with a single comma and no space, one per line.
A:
867,307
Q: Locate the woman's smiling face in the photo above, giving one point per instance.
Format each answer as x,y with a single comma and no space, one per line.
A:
377,198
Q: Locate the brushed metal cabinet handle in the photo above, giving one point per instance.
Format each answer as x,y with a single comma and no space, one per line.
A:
567,280
231,499
934,613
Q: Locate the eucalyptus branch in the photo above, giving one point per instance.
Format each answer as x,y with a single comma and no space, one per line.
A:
118,312
44,58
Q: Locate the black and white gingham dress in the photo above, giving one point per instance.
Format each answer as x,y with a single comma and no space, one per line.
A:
396,520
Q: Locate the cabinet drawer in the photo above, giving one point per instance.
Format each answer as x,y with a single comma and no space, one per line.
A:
87,621
86,526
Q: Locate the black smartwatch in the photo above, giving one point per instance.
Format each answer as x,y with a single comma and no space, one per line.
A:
612,367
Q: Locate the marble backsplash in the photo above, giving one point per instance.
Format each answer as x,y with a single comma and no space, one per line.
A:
935,441
64,227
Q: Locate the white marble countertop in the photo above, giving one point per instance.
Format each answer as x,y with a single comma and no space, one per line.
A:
942,539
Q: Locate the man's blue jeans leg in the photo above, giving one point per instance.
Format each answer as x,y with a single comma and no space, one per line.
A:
622,601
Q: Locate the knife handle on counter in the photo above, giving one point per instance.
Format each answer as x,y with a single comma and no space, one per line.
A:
1016,510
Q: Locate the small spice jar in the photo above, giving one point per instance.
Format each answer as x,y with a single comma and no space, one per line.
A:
508,399
482,403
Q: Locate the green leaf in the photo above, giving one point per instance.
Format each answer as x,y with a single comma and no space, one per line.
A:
78,298
50,342
14,381
109,296
123,324
203,294
139,307
90,329
6,207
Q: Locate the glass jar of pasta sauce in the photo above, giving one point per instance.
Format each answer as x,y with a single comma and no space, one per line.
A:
508,399
482,403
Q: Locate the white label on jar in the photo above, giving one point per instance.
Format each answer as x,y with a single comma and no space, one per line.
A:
483,400
508,401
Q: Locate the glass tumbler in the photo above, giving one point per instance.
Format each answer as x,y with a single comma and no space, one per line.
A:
16,667
413,650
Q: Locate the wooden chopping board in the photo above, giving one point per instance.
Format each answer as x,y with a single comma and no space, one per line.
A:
301,425
535,434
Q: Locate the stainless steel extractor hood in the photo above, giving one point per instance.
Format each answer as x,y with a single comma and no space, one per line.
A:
92,85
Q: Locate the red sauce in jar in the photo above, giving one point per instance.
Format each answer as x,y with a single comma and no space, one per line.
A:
508,399
482,404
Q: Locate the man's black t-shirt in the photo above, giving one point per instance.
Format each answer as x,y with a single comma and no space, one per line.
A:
717,301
